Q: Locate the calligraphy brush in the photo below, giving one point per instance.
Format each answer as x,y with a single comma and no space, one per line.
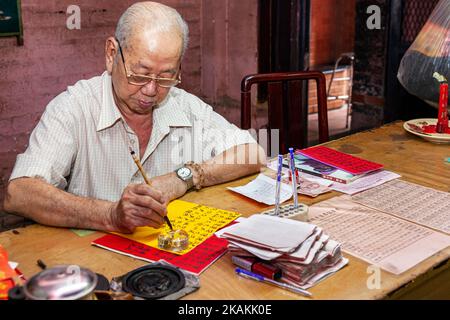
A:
147,181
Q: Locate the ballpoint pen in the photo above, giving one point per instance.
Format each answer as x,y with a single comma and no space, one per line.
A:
293,176
147,181
278,186
254,276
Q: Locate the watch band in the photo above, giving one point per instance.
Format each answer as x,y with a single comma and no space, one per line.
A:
190,182
195,167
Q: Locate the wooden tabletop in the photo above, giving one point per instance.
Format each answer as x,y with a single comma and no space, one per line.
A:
415,159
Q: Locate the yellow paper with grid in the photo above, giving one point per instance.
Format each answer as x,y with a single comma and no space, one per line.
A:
199,221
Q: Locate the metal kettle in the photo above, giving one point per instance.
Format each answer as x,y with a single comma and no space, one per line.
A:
64,282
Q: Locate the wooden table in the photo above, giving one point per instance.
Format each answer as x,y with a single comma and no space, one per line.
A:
416,160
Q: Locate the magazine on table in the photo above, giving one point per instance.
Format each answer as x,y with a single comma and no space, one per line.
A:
317,168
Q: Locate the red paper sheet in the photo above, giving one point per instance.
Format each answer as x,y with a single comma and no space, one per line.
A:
195,261
340,160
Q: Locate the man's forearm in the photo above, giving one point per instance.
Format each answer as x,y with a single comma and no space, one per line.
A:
46,204
37,200
233,163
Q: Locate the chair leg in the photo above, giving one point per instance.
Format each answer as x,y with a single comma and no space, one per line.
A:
348,115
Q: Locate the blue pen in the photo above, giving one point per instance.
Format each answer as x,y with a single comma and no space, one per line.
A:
278,186
254,276
293,176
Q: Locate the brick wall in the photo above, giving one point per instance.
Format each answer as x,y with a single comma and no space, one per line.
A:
229,53
54,57
332,30
340,87
340,26
369,74
332,33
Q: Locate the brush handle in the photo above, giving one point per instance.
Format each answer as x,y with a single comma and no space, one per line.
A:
147,181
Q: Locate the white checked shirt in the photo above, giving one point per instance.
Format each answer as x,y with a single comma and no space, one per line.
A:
81,143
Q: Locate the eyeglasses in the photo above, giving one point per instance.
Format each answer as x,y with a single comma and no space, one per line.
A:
142,80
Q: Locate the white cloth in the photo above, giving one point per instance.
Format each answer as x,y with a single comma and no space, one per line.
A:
80,144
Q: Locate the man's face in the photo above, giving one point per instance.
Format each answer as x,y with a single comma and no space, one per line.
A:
150,54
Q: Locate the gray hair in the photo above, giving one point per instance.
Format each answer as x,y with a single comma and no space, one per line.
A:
152,15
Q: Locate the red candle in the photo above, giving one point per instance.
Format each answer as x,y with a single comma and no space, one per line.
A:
442,123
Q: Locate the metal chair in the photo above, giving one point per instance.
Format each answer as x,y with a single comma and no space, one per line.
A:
284,105
348,97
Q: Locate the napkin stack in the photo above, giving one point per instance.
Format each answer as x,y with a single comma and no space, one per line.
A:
303,252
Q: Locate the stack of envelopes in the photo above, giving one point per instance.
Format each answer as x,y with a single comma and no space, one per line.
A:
301,250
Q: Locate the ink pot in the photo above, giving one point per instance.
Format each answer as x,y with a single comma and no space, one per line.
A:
176,240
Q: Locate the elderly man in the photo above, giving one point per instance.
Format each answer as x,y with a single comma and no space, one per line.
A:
77,170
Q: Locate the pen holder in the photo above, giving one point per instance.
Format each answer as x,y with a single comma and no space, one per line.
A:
289,211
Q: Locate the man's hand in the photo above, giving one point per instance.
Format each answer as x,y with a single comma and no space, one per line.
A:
140,205
169,185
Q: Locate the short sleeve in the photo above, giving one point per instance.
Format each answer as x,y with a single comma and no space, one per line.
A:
52,146
216,134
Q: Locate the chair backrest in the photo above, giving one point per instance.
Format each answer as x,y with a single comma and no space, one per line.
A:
284,105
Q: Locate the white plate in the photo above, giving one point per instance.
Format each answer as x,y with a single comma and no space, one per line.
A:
432,137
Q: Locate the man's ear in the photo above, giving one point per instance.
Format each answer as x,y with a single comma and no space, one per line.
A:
111,50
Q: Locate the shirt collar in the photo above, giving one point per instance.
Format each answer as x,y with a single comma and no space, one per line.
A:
168,114
109,112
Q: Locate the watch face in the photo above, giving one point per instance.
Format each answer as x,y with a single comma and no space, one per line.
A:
184,172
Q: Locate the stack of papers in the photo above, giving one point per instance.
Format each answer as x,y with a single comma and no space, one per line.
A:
198,220
317,177
301,250
387,239
341,160
322,170
195,261
366,182
350,174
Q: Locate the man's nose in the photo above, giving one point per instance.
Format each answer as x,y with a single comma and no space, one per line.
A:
150,89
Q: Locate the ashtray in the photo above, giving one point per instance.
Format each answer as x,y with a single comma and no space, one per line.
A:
175,240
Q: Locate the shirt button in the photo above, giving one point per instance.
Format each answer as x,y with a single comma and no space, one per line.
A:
132,141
